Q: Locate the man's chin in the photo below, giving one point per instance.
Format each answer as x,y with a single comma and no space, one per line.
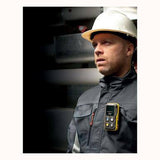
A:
104,72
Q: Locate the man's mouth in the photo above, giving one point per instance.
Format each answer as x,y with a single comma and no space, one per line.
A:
100,60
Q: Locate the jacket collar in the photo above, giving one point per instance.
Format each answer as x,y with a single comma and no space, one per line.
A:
114,82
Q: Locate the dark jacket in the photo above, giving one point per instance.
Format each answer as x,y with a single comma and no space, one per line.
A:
86,138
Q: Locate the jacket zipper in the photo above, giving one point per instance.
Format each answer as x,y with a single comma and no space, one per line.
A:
91,124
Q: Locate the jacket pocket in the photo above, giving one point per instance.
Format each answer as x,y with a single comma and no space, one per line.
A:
82,111
129,112
128,127
82,116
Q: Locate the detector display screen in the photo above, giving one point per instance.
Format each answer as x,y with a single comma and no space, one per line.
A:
110,110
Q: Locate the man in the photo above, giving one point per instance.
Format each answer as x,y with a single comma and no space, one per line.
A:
105,118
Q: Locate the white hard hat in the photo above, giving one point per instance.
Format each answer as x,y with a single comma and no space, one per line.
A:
112,21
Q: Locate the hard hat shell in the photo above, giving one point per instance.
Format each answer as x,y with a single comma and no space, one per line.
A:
112,21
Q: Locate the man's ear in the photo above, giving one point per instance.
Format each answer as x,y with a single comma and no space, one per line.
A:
130,49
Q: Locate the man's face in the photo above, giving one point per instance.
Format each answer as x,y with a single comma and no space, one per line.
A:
112,54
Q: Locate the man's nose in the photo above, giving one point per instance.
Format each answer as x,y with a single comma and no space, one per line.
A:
98,50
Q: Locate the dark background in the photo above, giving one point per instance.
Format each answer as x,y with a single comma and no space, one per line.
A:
45,104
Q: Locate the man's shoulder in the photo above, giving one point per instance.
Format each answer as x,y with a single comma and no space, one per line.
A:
91,90
89,96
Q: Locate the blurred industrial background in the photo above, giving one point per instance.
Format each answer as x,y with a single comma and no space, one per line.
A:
58,66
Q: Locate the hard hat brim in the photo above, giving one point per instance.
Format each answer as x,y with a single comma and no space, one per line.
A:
87,35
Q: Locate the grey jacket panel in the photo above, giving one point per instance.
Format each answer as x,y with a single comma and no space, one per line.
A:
94,138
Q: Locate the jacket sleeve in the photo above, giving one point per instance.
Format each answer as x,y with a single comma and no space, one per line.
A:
73,142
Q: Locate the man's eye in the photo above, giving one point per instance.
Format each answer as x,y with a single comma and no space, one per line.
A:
106,42
94,45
